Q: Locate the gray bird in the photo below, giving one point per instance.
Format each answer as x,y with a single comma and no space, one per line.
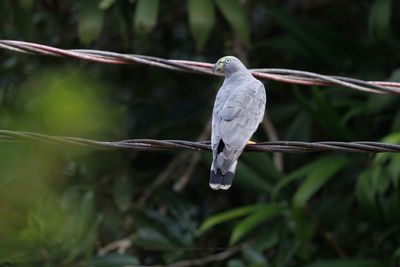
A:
238,110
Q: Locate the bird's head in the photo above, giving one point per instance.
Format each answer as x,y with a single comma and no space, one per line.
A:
228,65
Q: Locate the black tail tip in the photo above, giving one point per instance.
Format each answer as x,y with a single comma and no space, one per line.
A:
219,181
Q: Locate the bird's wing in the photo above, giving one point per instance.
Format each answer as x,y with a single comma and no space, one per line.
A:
220,99
235,119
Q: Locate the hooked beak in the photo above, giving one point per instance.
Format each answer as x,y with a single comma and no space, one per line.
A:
218,66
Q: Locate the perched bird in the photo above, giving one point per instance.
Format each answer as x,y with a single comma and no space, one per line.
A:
238,110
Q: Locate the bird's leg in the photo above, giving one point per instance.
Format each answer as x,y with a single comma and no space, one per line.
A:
251,143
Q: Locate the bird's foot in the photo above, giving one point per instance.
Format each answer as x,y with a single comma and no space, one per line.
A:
251,143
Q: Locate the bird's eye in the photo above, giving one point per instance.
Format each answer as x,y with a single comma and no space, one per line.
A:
227,60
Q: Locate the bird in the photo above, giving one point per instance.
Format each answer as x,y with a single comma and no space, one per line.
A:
239,108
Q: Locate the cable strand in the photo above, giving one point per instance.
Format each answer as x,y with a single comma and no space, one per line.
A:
279,75
168,145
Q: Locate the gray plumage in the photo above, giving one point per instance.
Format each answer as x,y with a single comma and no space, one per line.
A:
238,110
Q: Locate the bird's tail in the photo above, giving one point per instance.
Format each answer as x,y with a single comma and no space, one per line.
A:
222,181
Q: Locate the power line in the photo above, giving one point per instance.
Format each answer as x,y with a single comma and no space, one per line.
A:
280,75
157,145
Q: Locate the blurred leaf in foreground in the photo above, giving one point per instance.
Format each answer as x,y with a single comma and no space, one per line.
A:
379,19
63,102
201,20
54,228
146,15
90,21
236,15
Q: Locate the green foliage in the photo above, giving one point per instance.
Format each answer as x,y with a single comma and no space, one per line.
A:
146,15
377,187
316,178
237,18
90,21
201,20
62,103
64,206
261,214
379,19
106,4
226,216
54,227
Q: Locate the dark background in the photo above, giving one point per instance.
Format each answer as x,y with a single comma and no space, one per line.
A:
69,206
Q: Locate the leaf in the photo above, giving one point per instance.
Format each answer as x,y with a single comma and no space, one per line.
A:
263,213
393,138
348,263
394,159
317,177
225,216
374,185
90,22
113,260
236,16
145,16
87,224
379,20
201,20
106,4
295,175
147,238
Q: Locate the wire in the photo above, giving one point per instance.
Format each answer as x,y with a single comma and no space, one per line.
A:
156,145
280,75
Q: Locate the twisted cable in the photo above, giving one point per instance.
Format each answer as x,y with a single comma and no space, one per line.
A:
280,75
156,145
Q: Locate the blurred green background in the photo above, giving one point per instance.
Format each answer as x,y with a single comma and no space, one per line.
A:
69,206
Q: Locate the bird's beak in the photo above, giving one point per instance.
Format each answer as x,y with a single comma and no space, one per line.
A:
218,66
